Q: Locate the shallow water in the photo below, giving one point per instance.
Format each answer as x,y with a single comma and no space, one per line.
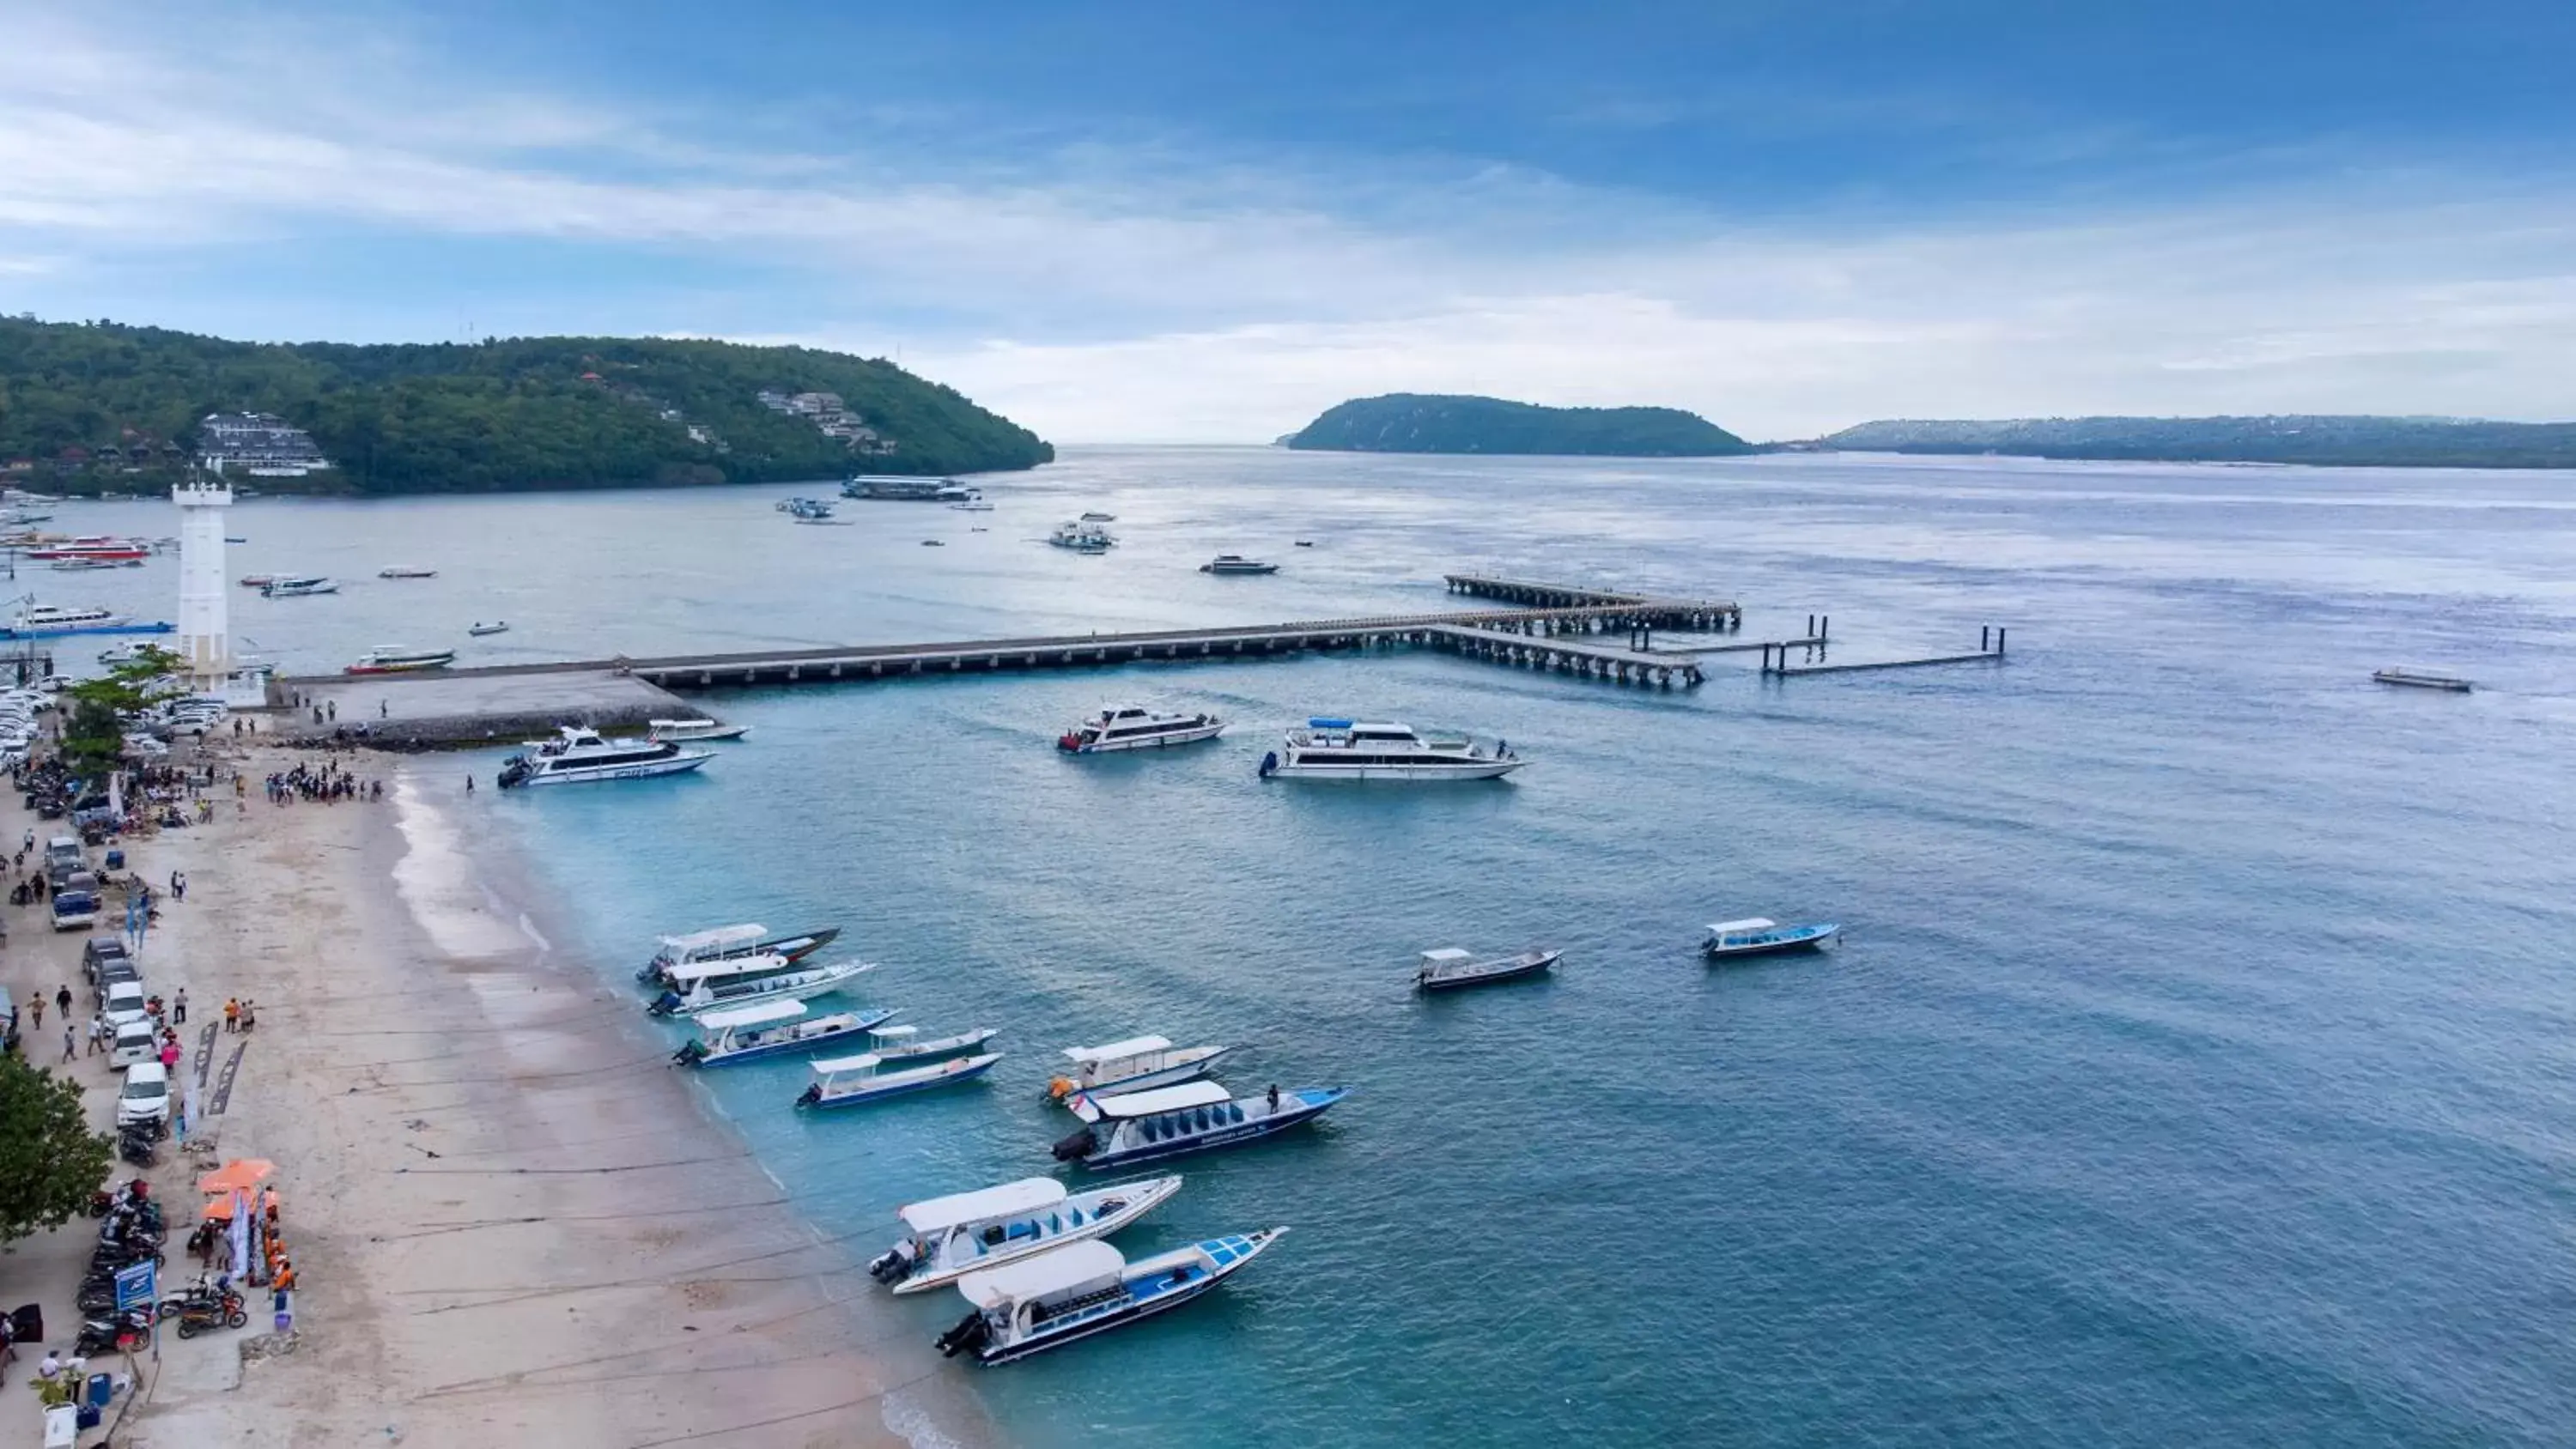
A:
2195,1068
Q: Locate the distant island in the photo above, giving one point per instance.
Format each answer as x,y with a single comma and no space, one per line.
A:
1406,422
2347,441
88,408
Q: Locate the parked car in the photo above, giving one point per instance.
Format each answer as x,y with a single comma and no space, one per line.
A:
137,1041
125,1002
146,1095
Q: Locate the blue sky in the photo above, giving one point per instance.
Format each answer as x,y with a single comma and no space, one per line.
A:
1205,223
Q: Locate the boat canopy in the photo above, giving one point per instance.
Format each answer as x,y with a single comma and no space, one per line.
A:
1132,1046
691,724
697,941
1028,1195
895,1033
1075,1265
1162,1099
835,1065
1749,923
684,972
759,1013
1446,956
1328,724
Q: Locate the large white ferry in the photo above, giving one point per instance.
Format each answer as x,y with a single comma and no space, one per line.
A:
1341,749
1134,727
42,620
581,755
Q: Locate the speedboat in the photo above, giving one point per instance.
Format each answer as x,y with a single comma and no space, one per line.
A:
580,755
1760,936
1340,749
907,1044
297,586
78,565
1235,563
46,620
725,943
693,730
768,1029
1087,536
718,990
1192,1117
1100,518
1451,967
1134,727
968,1232
851,1081
122,653
257,581
387,659
403,571
1133,1065
481,629
2418,679
1087,1288
966,500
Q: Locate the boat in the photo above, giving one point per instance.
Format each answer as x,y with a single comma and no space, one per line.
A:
1192,1117
727,943
122,653
96,546
482,630
1087,537
907,1044
965,499
257,581
387,659
1100,518
1134,727
1340,749
768,1029
971,505
297,586
968,1232
1760,936
1086,1288
1235,563
2417,679
932,543
399,571
900,488
693,730
805,510
1451,967
1133,1065
40,621
579,755
1305,543
82,565
851,1081
699,992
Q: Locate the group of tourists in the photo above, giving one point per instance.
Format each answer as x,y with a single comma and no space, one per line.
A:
329,783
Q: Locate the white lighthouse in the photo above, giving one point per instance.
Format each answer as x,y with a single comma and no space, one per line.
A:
205,642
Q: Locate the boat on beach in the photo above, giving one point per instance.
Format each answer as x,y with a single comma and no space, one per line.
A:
1341,749
1762,936
390,659
581,756
1450,967
724,943
693,730
718,989
1235,563
1193,1117
851,1081
1132,1065
1134,727
967,1232
768,1029
482,630
1086,1288
2418,679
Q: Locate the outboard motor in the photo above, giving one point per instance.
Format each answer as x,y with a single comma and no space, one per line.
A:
665,1004
970,1332
1077,1147
1069,742
893,1265
1269,764
689,1054
812,1094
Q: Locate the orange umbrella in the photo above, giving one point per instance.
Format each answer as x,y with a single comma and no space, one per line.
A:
235,1175
220,1209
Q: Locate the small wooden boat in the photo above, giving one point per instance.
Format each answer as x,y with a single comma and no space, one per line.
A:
1072,1293
2417,679
768,1029
1450,967
1759,936
1192,1117
715,993
481,629
693,730
906,1043
850,1081
968,1232
1132,1066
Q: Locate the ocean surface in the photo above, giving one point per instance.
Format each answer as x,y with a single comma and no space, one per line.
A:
2198,1067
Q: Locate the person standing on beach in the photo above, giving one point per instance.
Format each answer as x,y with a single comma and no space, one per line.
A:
232,1013
68,1053
36,1010
469,784
179,1008
63,1001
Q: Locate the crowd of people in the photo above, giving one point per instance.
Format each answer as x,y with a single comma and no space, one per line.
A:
328,783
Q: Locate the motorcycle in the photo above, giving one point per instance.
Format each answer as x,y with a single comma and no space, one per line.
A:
226,1311
137,1148
124,1333
133,1192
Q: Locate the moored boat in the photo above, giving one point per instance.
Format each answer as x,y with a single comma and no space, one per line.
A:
404,571
1133,1065
257,581
1134,727
388,659
483,630
907,1044
1761,936
1451,967
722,943
1235,563
580,756
718,989
44,621
297,586
966,1232
693,730
103,546
1341,749
851,1081
1082,536
1192,1117
2418,679
768,1029
1087,1288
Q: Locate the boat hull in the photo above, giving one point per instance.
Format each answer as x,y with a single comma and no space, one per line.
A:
1190,736
52,631
1471,770
789,986
857,1026
1310,1103
1159,1077
590,774
407,666
1807,938
699,737
1514,969
969,1070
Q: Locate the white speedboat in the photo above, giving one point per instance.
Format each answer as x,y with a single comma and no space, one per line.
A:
852,1081
46,620
768,1029
966,500
482,630
297,586
968,1232
1100,518
1134,727
1083,536
727,943
580,755
907,1044
742,980
1235,563
1340,749
1449,967
1087,1288
389,659
1132,1065
688,731
1192,1117
405,571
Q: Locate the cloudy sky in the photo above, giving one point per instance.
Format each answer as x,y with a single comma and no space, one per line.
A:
1187,223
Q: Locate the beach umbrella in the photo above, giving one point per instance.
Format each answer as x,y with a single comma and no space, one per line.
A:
220,1208
234,1175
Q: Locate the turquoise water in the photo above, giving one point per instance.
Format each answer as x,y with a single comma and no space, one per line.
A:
2196,1067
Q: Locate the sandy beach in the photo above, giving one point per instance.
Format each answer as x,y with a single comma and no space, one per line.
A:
511,1222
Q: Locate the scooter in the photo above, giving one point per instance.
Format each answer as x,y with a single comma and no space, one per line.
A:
124,1333
196,1316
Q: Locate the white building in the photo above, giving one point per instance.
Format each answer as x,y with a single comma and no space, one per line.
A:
205,640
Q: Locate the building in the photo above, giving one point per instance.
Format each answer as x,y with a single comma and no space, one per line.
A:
263,445
205,641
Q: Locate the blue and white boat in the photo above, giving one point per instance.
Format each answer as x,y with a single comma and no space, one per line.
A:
1173,1121
1074,1292
713,988
47,621
907,1044
966,1232
1761,936
849,1081
768,1029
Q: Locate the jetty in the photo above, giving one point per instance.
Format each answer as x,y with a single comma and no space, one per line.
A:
1776,665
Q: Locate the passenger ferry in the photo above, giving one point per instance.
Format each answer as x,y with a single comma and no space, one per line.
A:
44,620
1086,1288
296,586
388,659
1235,563
97,546
580,755
1083,536
967,1232
1134,727
1192,1117
1341,749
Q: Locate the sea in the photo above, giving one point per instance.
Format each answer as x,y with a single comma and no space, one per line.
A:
2197,1065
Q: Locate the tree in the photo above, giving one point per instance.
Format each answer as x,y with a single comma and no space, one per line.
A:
50,1162
94,727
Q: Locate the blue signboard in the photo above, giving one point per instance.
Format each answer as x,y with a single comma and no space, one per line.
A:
134,1287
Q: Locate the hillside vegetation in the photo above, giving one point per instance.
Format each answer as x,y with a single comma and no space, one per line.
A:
532,412
1424,423
2352,441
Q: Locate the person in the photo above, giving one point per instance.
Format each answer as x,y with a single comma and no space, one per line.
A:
1274,1096
469,784
179,1008
98,1037
384,710
51,1366
63,1000
68,1037
169,1054
249,1014
232,1013
36,1011
334,708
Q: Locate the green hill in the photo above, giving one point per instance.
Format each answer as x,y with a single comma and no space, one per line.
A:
92,406
2349,441
1424,423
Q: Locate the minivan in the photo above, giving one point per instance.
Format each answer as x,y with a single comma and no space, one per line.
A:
146,1097
136,1042
125,1001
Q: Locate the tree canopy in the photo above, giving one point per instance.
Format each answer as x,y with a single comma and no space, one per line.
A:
50,1162
1406,422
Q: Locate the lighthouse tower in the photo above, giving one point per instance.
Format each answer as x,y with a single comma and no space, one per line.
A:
205,644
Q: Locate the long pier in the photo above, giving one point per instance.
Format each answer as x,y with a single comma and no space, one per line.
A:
1776,665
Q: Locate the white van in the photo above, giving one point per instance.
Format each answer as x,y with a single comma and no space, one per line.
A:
146,1097
125,1003
136,1043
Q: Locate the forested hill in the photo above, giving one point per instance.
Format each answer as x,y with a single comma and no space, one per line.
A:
1426,423
2350,441
85,406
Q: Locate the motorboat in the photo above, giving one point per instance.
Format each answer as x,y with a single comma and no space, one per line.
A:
388,659
725,943
2417,679
907,1044
579,756
966,499
297,586
257,581
402,571
1341,749
806,510
1192,1117
116,654
690,731
82,565
853,1081
1235,563
1761,936
97,546
949,1237
717,990
1134,727
1086,1288
1450,967
1086,536
1132,1065
768,1029
41,621
482,630
1100,518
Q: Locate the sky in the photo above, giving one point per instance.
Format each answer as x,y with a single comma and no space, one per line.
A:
1206,223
